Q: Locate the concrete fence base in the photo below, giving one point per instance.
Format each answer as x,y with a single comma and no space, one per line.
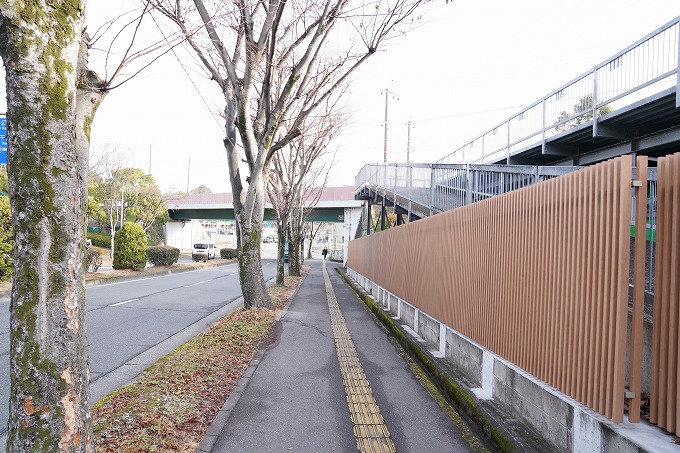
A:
563,423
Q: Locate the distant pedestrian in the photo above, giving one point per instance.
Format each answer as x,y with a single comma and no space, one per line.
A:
324,252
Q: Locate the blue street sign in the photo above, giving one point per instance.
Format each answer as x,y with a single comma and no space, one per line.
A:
3,140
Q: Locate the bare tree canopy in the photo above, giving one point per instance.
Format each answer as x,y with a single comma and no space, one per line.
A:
276,62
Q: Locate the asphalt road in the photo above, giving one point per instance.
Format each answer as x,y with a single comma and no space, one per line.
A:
131,324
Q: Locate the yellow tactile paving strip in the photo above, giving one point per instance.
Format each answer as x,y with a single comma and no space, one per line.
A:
370,430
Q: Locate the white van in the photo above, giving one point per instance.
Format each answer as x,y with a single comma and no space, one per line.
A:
205,248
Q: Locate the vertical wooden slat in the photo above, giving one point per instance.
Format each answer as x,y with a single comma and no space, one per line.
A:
609,328
664,309
675,177
571,296
640,257
621,300
505,290
534,275
574,286
551,296
558,373
612,301
584,276
658,301
673,271
589,342
603,286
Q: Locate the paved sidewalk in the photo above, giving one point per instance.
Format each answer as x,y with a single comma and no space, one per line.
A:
295,400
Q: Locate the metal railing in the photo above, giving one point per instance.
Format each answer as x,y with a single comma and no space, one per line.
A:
441,187
640,70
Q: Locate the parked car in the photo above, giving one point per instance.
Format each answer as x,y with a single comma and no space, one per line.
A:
205,248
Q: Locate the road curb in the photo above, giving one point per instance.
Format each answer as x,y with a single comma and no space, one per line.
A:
142,274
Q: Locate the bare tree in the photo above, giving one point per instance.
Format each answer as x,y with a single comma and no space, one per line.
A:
312,231
52,97
294,172
276,62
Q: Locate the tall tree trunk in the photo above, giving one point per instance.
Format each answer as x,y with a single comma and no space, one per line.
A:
249,215
49,404
293,252
311,241
281,250
302,250
250,268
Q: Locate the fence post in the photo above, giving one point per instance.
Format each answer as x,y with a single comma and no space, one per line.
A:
431,189
595,125
640,258
468,177
442,339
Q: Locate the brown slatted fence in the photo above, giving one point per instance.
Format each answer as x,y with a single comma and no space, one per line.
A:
664,404
539,276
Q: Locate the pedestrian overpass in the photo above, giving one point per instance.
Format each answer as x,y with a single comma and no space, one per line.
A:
540,259
628,104
190,215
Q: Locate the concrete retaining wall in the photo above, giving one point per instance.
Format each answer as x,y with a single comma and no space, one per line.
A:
564,423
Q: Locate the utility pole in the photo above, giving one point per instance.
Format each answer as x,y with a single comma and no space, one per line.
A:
396,96
188,173
149,160
408,144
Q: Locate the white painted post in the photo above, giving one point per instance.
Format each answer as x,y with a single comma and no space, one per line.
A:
442,339
415,321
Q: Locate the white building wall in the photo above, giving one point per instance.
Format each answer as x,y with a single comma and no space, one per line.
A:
182,234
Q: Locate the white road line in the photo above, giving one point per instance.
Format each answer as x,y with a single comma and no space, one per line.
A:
124,302
198,283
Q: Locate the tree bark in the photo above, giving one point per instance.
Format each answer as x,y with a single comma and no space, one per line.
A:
49,404
281,250
251,277
294,253
249,215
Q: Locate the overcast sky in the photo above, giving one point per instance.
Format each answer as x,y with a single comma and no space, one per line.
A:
472,65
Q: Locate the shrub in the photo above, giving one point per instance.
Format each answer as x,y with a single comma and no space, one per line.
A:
100,239
227,254
93,260
199,257
130,247
163,255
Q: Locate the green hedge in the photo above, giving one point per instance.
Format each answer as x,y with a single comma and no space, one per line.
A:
163,255
227,254
100,239
130,247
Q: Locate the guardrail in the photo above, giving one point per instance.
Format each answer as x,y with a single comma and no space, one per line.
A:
440,187
638,71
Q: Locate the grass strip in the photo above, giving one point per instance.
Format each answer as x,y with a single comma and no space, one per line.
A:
172,404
